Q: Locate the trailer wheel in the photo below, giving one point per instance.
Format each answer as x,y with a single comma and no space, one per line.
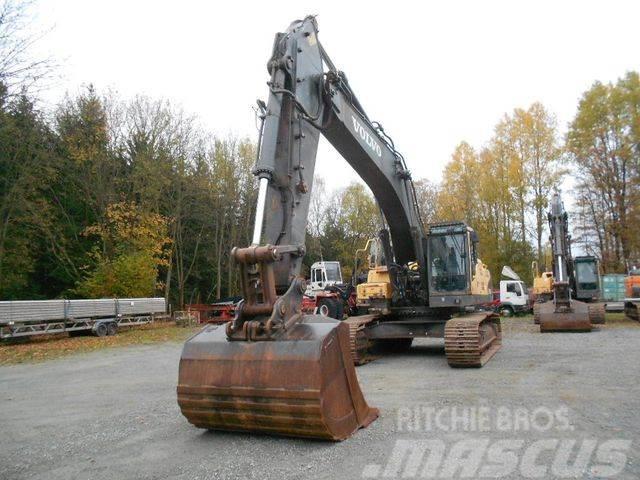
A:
112,328
101,330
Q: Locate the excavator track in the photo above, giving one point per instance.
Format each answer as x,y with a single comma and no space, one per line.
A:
632,310
596,314
471,340
536,313
359,344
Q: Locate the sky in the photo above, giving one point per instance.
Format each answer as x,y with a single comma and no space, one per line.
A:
433,73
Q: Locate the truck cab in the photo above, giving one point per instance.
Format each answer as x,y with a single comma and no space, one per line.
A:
322,275
514,297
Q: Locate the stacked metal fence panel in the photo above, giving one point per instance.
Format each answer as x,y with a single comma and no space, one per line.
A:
32,310
27,311
138,306
91,308
613,287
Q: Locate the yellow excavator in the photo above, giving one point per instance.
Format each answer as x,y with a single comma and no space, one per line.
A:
542,283
274,369
542,287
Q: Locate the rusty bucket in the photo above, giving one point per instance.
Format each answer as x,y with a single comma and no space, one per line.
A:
303,385
574,319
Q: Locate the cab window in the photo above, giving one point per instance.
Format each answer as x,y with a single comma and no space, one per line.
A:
515,288
448,263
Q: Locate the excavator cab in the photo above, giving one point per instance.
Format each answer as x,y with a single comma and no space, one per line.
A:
587,278
456,276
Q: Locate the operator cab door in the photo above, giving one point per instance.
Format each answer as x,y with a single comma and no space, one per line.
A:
449,256
318,277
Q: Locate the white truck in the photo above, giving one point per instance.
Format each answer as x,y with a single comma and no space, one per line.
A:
323,274
326,293
514,296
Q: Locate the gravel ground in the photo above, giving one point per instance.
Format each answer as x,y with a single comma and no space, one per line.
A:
113,414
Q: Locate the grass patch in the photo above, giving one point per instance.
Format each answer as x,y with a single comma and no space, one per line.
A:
47,347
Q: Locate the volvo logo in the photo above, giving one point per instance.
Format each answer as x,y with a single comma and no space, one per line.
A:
364,135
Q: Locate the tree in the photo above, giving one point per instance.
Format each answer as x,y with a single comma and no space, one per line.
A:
19,71
459,190
131,245
28,155
427,194
534,139
341,223
603,144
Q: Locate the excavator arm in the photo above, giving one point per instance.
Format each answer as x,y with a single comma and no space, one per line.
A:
308,96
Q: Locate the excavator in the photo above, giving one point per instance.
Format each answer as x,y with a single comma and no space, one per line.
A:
394,307
542,284
564,313
274,369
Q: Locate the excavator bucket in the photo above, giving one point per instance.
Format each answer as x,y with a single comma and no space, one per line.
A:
304,385
575,319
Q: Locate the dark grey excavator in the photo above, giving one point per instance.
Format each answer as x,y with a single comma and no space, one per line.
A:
274,369
564,313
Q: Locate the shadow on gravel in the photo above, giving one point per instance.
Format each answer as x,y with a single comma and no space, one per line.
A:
239,439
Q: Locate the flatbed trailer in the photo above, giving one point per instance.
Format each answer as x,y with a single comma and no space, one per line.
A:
100,317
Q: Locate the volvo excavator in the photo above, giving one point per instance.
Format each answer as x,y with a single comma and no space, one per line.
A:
564,313
274,369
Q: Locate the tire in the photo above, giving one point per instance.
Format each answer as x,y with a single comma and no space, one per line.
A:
506,312
112,328
332,307
323,309
101,330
